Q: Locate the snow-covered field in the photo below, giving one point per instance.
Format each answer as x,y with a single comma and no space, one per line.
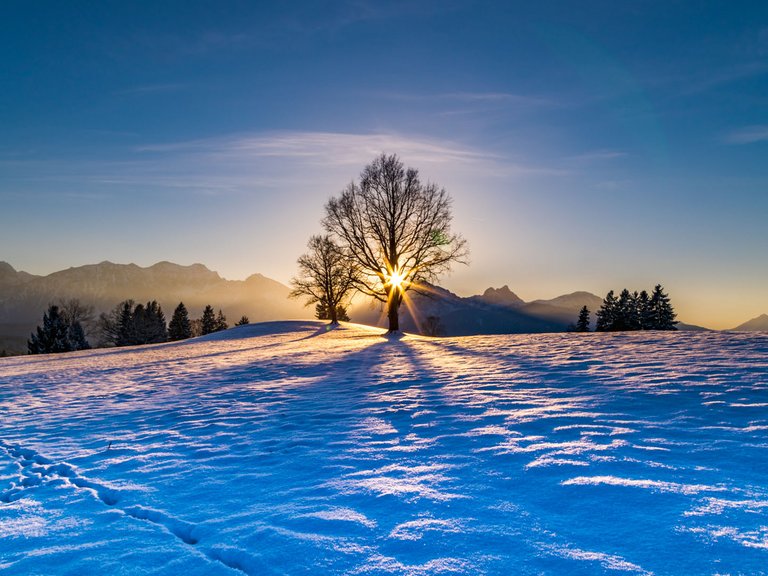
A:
283,448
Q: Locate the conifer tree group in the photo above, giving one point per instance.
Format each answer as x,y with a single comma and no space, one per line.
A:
633,311
130,324
59,333
127,324
211,322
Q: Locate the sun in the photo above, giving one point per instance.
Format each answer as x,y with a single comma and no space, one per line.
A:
396,279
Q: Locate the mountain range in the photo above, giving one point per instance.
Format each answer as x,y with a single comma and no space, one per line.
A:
24,297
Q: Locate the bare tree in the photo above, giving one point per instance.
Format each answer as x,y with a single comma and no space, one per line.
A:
433,327
397,229
75,311
327,275
109,327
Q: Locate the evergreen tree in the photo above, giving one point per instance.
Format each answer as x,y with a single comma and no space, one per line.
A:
140,326
322,312
633,315
627,316
57,334
644,311
179,327
582,324
243,321
341,313
221,322
125,325
662,315
76,336
52,336
606,314
161,329
155,330
208,321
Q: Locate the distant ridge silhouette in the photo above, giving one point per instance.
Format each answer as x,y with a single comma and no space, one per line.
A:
757,324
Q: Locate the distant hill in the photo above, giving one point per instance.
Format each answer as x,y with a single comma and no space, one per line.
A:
759,324
683,327
565,309
24,297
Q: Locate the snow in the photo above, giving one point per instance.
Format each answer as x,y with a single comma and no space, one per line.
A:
290,448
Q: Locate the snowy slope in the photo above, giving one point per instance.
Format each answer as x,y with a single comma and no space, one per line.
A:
283,448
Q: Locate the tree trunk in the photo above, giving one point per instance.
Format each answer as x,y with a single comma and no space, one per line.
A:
334,316
392,312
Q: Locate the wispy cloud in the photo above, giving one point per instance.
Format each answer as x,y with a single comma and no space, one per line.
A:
327,148
270,165
294,153
748,135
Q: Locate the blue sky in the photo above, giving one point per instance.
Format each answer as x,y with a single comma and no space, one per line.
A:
586,145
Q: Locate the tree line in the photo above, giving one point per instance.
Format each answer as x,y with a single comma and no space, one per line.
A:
631,311
129,323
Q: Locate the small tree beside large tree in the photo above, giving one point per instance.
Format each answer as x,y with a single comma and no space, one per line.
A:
396,229
327,275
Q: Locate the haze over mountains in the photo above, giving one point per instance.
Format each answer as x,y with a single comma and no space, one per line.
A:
24,297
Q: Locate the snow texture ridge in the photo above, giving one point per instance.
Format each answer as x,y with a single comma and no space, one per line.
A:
288,448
